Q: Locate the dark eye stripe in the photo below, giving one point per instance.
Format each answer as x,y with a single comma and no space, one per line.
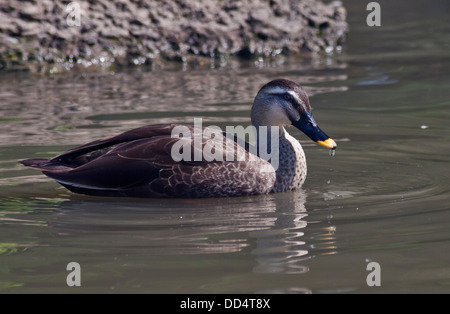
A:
291,99
285,96
288,97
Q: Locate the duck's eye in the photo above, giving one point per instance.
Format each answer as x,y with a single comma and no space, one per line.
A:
287,96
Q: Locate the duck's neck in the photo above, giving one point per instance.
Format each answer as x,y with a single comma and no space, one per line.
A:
285,154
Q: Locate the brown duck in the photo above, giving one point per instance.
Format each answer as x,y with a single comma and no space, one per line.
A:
140,162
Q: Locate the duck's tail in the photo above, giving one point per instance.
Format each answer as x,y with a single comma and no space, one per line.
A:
43,164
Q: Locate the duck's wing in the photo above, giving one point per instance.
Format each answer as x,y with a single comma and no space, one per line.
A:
100,165
140,163
90,151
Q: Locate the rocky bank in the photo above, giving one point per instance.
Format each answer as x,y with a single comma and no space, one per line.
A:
54,36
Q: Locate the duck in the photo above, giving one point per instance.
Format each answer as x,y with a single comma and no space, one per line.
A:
146,162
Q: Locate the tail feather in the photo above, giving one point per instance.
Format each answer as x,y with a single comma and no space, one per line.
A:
43,164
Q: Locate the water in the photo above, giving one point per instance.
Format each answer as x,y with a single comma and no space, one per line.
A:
383,198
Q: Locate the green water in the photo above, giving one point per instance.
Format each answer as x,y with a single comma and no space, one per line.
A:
384,197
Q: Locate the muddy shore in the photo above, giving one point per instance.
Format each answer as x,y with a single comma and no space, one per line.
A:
54,36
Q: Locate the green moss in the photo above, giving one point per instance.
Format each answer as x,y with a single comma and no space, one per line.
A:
10,119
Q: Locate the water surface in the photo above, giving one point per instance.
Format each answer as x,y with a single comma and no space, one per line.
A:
384,197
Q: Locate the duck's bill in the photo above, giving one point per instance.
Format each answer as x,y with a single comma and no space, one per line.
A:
328,143
308,125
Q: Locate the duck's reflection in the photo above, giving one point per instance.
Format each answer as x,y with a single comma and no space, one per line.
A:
282,247
270,234
270,228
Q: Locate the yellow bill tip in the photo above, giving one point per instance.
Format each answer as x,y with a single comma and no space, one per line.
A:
329,143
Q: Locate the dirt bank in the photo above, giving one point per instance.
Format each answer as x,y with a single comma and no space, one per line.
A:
54,36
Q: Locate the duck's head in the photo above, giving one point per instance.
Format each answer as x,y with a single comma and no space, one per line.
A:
282,102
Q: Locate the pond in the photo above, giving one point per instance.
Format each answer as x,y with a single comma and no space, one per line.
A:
383,198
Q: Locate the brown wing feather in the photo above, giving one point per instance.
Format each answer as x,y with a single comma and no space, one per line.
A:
92,150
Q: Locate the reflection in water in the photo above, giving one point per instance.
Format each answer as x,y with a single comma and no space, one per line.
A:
271,228
81,108
208,226
281,248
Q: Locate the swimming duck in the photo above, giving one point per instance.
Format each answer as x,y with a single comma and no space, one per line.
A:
141,163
